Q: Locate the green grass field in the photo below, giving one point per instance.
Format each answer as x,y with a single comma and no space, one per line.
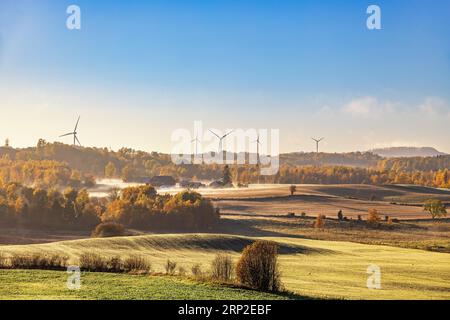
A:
312,268
37,284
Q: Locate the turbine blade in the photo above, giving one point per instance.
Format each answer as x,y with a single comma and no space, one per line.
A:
76,126
214,133
77,140
228,134
67,134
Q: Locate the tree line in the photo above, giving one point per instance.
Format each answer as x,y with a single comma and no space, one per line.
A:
131,165
134,207
343,175
42,173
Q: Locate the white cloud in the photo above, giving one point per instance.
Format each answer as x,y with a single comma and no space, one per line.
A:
369,107
435,106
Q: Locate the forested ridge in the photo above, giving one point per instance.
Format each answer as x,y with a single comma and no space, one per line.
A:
57,164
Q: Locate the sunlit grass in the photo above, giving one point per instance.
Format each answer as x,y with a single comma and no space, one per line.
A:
313,268
37,284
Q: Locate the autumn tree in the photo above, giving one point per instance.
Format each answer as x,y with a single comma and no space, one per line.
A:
435,207
292,189
110,170
258,266
373,216
226,175
128,173
320,222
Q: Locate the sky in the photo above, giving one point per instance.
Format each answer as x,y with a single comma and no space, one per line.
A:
137,71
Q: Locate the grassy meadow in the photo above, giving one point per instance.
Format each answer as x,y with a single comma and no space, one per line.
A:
51,285
310,268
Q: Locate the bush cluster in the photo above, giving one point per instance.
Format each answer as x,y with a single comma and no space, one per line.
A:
258,267
94,262
41,261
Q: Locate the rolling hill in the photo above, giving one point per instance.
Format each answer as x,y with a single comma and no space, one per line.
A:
312,268
399,152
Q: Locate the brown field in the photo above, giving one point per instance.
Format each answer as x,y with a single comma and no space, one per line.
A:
315,205
417,234
264,212
27,236
403,202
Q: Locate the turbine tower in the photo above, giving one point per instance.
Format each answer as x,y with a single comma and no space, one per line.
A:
317,143
221,138
196,144
257,149
74,134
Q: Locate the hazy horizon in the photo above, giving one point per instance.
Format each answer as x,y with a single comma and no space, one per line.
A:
228,151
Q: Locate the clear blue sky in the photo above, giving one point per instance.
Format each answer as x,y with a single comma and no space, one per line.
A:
137,70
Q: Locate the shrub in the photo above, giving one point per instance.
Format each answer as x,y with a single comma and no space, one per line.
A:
320,222
95,263
137,263
90,261
292,189
108,229
170,267
197,271
222,268
436,208
4,261
114,264
38,261
303,214
181,271
340,215
373,216
291,215
258,266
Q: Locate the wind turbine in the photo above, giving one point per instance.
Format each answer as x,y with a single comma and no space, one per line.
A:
221,138
257,149
196,144
317,143
74,134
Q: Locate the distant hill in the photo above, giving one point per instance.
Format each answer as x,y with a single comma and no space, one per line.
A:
350,159
397,152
